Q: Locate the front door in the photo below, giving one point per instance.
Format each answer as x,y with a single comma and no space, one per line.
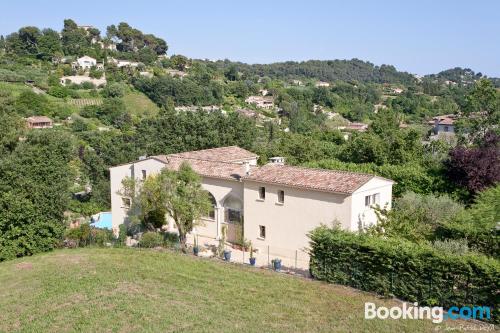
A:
234,220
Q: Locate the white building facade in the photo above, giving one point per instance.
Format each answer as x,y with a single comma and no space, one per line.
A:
273,205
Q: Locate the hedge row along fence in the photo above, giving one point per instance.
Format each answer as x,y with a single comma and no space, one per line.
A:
398,268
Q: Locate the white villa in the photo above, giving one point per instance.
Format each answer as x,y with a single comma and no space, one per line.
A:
123,63
85,63
273,205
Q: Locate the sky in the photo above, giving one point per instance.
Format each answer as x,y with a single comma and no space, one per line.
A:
419,37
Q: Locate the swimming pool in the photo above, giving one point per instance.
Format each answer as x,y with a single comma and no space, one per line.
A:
102,221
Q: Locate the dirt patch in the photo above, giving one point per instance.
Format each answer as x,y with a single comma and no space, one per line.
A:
24,265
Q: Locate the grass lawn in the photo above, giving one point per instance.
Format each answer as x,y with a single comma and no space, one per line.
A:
128,290
139,104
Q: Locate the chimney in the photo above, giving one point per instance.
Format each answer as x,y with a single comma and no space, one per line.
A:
247,167
143,157
278,160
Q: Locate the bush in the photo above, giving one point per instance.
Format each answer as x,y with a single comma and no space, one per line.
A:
81,235
394,267
101,237
478,224
151,239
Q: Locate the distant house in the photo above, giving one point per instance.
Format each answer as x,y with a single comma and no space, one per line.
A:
396,90
85,63
322,84
34,122
79,79
358,127
176,73
443,124
297,82
123,63
194,108
264,102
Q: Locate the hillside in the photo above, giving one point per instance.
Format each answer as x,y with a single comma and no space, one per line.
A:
102,290
326,70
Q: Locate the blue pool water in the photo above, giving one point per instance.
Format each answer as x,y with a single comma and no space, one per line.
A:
102,221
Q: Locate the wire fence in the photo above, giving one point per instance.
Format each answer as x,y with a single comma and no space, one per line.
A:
290,260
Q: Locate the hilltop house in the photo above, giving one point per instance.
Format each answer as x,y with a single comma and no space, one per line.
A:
123,63
273,205
39,122
264,102
85,63
321,84
443,124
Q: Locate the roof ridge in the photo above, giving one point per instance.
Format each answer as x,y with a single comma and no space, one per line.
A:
201,159
323,169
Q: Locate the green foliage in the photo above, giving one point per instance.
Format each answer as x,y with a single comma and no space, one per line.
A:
151,239
171,132
415,217
34,197
478,224
481,113
177,194
416,273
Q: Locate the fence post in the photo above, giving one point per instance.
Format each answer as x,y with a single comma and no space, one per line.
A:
295,259
268,264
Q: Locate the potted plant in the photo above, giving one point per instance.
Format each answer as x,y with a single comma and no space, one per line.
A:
252,258
276,264
227,255
222,245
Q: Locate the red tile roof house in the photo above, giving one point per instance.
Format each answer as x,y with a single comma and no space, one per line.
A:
277,204
39,122
443,124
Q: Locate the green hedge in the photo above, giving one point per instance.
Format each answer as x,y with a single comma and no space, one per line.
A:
416,273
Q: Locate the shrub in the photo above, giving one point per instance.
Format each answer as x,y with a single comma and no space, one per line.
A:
478,224
459,246
151,239
101,236
414,272
81,235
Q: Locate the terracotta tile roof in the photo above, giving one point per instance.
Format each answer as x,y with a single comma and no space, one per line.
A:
207,168
316,179
447,119
39,119
223,154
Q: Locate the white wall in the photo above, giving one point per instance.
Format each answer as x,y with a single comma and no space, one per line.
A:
365,216
117,174
288,224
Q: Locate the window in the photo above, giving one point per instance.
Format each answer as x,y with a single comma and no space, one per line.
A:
281,196
262,231
126,202
367,200
262,193
233,210
143,174
373,199
446,129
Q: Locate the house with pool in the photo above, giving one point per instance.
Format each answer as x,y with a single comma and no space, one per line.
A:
273,205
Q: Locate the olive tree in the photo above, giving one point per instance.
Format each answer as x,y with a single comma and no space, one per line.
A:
169,194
